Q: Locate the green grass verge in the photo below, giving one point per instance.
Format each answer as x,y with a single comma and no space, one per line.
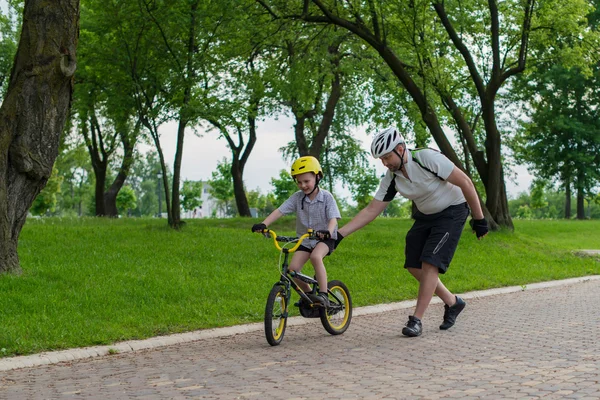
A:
94,281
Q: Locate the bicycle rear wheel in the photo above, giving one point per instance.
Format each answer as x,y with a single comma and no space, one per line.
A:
276,315
337,317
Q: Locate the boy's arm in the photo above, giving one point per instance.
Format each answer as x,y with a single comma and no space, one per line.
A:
331,225
274,216
270,219
366,215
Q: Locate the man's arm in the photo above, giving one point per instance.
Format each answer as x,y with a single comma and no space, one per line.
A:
366,215
459,178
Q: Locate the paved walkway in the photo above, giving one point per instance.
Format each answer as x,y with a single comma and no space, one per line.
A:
543,341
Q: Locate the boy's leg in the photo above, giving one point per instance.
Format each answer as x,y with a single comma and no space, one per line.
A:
316,258
298,260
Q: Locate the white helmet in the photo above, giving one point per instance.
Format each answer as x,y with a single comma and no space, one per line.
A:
385,141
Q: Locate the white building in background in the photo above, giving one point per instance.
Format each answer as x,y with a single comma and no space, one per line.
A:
209,206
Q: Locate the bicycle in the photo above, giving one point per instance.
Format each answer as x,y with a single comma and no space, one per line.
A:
335,319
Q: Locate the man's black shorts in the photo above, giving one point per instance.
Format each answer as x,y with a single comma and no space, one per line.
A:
433,237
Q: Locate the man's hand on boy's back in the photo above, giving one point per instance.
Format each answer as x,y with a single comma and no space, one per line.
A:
258,227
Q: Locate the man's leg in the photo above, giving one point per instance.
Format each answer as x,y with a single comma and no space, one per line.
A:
453,304
427,286
440,290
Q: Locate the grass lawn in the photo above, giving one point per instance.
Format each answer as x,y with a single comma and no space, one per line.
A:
95,281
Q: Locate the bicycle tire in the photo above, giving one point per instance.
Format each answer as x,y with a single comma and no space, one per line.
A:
276,315
336,319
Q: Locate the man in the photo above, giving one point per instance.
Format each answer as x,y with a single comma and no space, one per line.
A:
442,194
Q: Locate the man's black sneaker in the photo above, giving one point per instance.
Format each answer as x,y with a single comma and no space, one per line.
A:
413,327
450,313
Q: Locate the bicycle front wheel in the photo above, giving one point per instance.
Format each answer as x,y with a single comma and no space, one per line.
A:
336,318
276,315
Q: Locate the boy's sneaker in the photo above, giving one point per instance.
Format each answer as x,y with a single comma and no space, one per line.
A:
413,327
450,313
321,299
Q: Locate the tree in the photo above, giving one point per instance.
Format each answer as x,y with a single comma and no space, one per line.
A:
562,140
284,187
191,195
104,98
126,200
444,52
33,113
221,187
363,182
264,204
10,25
46,201
75,173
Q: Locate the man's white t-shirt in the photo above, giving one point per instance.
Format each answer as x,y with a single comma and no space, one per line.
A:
427,185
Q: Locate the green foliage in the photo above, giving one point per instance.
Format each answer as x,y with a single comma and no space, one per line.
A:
562,140
399,209
363,182
146,179
90,281
264,204
126,200
45,202
191,195
548,204
10,28
284,187
221,187
537,194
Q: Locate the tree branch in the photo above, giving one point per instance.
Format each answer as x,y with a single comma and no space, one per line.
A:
462,48
526,29
495,32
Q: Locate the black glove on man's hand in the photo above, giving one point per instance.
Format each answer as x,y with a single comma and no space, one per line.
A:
323,234
480,227
258,227
340,237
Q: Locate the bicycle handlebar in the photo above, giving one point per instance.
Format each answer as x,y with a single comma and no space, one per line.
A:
287,239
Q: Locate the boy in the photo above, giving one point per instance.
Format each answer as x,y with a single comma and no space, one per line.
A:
315,208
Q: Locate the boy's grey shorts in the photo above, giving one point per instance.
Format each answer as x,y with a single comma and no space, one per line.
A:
433,237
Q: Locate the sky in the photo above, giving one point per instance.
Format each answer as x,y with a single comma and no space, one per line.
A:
201,155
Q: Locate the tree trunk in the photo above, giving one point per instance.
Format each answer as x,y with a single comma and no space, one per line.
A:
33,114
110,197
241,201
580,194
301,143
568,198
239,163
175,219
495,187
100,173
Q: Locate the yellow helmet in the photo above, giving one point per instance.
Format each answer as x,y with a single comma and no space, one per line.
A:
306,164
